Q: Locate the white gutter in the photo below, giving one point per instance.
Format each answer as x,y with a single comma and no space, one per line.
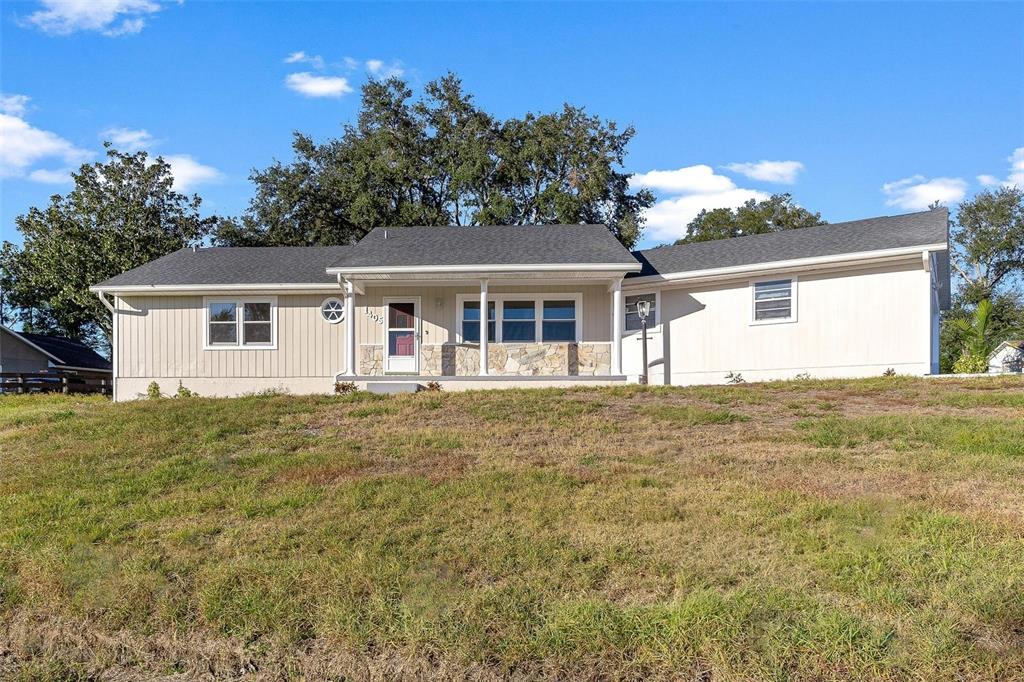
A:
200,288
490,269
738,270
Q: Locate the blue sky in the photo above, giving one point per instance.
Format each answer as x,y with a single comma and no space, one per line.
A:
859,109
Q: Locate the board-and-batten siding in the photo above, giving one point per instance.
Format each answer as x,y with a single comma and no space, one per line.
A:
439,309
162,336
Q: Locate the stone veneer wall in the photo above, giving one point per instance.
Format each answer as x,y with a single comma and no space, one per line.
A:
520,359
371,360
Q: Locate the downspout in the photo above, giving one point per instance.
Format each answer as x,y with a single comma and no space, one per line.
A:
113,341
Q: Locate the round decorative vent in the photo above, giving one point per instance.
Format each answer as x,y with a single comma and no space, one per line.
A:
333,310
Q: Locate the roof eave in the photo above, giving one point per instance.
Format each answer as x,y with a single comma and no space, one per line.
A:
865,257
483,269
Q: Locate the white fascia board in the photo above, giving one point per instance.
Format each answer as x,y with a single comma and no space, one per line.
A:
865,257
83,369
486,269
212,289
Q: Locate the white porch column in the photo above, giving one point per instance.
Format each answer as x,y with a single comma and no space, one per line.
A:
350,328
617,327
484,319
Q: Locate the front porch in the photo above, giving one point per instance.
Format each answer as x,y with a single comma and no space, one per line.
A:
554,330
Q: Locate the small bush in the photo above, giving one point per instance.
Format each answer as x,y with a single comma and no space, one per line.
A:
889,372
735,378
802,376
153,391
970,363
434,386
183,392
345,387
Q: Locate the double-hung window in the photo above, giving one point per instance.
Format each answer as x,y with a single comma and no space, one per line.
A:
559,320
518,321
471,321
241,323
774,301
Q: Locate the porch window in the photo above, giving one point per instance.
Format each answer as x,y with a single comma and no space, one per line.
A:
773,301
518,321
559,321
633,317
471,322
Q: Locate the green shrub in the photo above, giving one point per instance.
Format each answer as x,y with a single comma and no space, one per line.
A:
153,391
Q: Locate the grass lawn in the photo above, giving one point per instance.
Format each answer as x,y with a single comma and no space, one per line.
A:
791,531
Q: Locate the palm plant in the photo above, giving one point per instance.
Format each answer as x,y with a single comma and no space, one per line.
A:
976,342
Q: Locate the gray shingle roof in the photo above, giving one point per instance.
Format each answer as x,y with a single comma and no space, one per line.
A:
873,234
71,353
236,265
494,245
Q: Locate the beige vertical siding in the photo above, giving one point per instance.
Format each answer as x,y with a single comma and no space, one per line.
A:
163,336
850,322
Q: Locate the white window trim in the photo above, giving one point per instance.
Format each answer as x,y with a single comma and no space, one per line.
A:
337,300
794,289
239,313
538,314
651,328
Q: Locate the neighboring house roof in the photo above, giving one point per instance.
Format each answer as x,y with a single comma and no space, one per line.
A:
64,352
487,246
857,236
236,265
1016,344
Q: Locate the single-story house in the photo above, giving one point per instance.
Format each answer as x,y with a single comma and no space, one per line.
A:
1008,356
533,306
22,352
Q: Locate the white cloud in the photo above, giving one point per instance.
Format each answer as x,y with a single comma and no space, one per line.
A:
51,177
188,172
918,192
300,57
668,218
692,179
23,145
109,17
128,140
1016,176
15,105
784,172
690,190
311,85
379,69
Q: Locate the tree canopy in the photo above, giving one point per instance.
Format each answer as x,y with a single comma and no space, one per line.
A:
122,213
774,214
441,160
988,241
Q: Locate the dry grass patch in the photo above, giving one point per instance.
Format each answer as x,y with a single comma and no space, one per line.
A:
796,530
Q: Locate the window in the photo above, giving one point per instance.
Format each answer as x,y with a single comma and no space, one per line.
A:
521,318
773,301
249,322
471,321
223,324
518,321
256,325
633,317
559,321
333,310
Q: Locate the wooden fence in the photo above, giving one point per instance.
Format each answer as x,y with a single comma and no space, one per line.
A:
53,382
